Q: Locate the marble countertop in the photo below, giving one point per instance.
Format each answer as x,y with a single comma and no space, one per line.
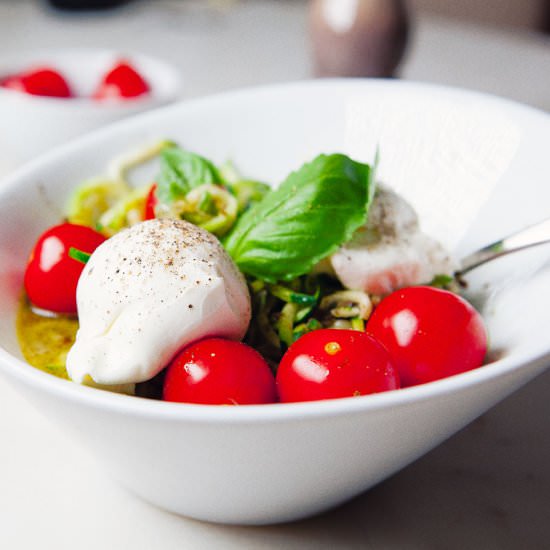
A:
486,487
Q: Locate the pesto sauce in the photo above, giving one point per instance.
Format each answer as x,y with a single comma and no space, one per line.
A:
45,341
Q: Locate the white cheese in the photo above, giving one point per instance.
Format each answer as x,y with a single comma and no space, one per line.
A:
389,252
147,292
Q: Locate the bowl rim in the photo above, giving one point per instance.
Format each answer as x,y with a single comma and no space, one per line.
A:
30,58
157,409
16,368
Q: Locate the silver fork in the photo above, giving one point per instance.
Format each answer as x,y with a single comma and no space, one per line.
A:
533,235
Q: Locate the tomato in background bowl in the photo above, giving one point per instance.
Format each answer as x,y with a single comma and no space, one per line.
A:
121,82
33,124
42,81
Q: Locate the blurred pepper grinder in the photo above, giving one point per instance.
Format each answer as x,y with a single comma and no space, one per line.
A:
357,37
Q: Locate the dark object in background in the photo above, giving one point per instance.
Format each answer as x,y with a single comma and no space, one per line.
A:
85,5
357,37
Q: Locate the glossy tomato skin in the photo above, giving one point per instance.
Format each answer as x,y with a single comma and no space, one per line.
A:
52,275
430,333
151,202
43,82
334,363
122,82
216,371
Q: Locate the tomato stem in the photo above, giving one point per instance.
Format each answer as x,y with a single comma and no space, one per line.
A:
79,255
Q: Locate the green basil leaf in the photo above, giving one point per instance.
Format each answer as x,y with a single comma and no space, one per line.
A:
315,210
181,171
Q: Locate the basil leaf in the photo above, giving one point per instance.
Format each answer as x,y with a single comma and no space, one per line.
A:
181,171
315,210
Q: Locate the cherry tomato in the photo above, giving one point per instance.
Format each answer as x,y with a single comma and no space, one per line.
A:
219,372
52,275
122,82
43,82
430,333
151,202
332,363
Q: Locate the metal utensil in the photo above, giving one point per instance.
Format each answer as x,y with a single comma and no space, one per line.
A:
533,235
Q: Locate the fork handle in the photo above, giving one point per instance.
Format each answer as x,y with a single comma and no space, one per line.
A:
534,235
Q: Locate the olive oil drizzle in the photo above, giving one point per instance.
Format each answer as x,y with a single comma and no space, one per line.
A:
45,340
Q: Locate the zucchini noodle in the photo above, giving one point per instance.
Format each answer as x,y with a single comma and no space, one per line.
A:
109,203
209,206
346,304
120,166
283,313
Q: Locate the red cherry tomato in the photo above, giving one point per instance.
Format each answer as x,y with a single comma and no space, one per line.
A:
43,82
122,82
332,363
52,275
430,333
151,202
219,372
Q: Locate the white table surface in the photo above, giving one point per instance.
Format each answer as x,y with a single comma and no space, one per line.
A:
487,487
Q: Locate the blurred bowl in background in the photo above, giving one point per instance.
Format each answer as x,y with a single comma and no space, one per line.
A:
32,124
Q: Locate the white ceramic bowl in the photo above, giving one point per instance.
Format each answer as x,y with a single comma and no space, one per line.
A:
274,463
33,124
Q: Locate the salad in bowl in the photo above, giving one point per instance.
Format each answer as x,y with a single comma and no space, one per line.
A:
206,287
286,303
